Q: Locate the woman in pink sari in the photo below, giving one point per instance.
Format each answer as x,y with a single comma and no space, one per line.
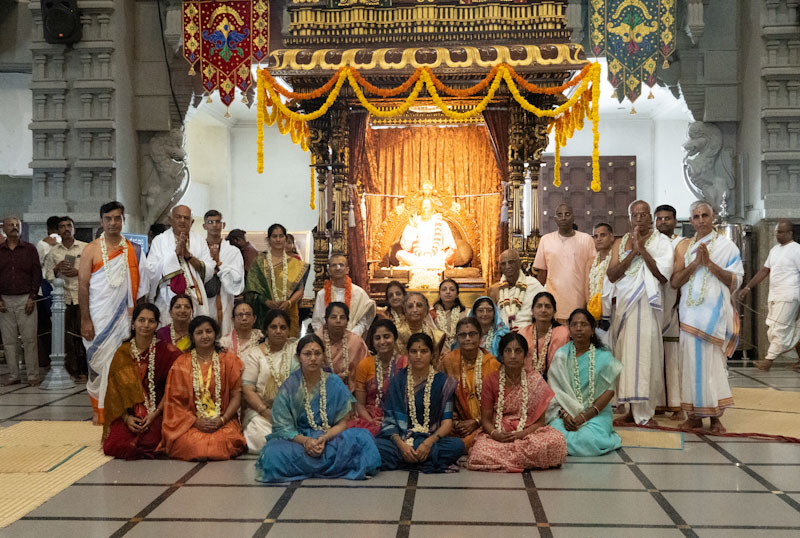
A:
343,349
545,335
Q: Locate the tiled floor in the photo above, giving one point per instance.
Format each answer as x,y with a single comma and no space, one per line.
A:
714,487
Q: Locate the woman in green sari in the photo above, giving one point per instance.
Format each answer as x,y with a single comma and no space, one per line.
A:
276,280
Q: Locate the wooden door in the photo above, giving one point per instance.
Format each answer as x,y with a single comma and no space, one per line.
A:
618,180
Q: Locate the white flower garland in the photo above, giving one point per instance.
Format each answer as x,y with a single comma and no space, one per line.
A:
446,321
252,341
271,268
416,427
323,404
150,402
633,268
523,416
486,340
597,274
116,278
329,353
576,379
478,378
395,317
540,363
695,301
279,374
201,394
379,376
173,335
511,297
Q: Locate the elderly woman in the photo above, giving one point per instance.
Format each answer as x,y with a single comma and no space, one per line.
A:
395,295
266,367
447,310
545,335
177,332
202,399
243,336
343,349
309,426
418,415
583,377
373,375
470,365
418,320
492,327
134,400
513,405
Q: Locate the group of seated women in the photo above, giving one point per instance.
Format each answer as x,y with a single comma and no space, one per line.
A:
429,389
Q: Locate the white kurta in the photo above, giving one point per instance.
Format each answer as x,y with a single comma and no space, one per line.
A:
231,276
362,309
162,263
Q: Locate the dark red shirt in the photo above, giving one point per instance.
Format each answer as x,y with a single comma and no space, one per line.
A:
20,270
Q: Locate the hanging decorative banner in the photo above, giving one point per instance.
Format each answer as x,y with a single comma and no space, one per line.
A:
226,37
634,35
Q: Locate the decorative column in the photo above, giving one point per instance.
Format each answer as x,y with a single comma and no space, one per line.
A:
339,167
516,176
318,145
57,377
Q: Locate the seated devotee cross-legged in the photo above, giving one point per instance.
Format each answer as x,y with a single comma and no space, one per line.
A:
266,366
470,366
177,331
202,400
583,377
135,393
309,426
373,375
513,405
418,415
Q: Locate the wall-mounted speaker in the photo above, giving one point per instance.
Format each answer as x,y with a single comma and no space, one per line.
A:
61,21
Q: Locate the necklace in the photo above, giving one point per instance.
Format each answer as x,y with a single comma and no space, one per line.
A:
285,267
416,427
597,274
278,373
379,375
150,402
206,407
695,301
478,379
576,379
540,362
523,416
173,335
446,321
323,405
329,352
117,277
636,264
511,297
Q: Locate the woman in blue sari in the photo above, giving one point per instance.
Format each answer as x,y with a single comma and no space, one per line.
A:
309,420
418,415
492,327
583,413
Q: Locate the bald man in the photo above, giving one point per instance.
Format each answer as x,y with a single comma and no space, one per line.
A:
783,317
178,262
515,292
562,262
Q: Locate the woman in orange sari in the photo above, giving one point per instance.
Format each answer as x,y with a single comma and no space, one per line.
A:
202,400
470,365
343,349
545,335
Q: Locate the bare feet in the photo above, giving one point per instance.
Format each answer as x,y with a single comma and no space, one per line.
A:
716,426
691,423
795,366
625,419
678,415
763,365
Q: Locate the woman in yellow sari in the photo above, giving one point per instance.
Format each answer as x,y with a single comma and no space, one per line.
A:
276,280
177,332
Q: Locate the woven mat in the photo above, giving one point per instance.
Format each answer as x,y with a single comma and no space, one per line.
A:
650,439
39,459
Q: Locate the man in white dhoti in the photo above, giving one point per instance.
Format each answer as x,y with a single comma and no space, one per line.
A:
783,317
228,279
599,290
178,262
640,262
339,288
708,269
515,292
108,286
666,222
427,240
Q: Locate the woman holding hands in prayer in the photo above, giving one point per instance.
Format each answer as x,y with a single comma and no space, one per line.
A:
344,350
545,335
513,405
177,332
583,377
309,426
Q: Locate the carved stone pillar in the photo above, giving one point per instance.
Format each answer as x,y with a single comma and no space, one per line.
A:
516,177
319,130
339,167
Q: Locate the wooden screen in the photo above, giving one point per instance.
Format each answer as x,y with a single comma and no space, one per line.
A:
618,179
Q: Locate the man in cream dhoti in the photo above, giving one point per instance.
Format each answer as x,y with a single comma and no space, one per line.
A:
515,292
339,288
108,285
708,269
783,317
228,270
178,262
640,262
666,222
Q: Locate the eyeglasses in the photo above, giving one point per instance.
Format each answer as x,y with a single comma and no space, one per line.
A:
471,334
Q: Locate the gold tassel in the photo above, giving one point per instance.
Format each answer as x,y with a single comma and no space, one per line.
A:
633,110
245,101
665,65
191,70
208,98
227,113
651,96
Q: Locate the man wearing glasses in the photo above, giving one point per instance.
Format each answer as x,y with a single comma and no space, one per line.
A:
340,288
228,279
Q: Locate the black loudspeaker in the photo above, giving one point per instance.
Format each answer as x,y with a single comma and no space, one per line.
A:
61,21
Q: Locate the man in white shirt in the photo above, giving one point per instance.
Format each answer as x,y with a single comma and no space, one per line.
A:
340,288
44,246
783,317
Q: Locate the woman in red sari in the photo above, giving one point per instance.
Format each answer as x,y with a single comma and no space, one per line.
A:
134,397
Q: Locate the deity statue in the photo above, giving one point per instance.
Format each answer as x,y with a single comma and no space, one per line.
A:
708,166
427,241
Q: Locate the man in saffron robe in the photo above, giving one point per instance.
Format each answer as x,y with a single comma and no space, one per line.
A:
228,268
108,286
641,261
339,288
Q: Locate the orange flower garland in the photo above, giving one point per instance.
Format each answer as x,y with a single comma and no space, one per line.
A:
348,291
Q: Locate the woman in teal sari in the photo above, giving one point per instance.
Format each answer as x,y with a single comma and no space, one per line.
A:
309,438
583,376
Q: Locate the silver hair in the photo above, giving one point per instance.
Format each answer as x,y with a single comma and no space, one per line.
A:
701,203
16,218
630,206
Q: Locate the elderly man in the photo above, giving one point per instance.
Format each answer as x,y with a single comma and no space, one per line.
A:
562,262
20,277
641,261
108,286
228,279
599,291
238,239
783,317
515,292
62,262
178,262
666,222
339,288
708,269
